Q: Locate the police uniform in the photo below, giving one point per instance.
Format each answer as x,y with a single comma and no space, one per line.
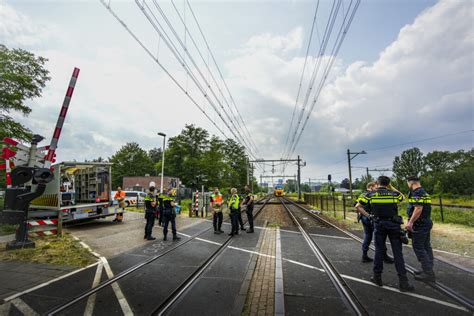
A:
422,228
217,216
233,203
368,225
249,203
383,204
150,214
168,215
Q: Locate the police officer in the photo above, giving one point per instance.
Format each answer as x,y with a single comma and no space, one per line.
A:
217,217
248,203
168,214
383,203
368,225
233,204
150,212
420,225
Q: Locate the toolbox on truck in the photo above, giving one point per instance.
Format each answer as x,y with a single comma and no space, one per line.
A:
79,190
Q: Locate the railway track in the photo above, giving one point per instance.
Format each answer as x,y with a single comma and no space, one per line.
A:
443,289
169,301
348,297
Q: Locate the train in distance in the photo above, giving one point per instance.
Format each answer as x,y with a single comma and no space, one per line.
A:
279,191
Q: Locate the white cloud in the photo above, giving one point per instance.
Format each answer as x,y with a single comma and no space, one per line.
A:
421,86
17,29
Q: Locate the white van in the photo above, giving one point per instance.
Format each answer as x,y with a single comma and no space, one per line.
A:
131,198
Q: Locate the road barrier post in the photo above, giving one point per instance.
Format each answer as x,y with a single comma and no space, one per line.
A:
327,202
334,205
441,209
344,205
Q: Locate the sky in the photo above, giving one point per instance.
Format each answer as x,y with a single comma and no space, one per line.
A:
404,73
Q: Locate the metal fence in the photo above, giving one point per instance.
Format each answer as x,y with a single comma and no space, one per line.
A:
441,211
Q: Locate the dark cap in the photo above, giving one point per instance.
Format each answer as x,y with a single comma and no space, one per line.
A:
413,178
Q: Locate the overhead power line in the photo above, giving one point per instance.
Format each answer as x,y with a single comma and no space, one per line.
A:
172,40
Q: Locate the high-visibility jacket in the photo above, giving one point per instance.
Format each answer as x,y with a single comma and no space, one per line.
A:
383,202
419,197
216,198
119,195
234,202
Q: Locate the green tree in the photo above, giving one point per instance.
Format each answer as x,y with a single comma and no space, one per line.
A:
22,77
184,154
130,160
410,162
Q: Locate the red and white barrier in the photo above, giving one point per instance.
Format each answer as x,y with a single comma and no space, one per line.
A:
49,159
42,222
43,233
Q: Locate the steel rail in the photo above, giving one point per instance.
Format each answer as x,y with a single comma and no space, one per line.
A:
459,298
189,282
348,297
57,309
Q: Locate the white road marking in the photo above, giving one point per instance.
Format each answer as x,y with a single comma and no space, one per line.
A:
91,300
208,241
185,235
330,236
23,307
388,288
252,252
48,283
303,264
118,292
426,298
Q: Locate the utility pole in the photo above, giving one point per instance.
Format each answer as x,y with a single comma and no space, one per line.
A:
299,178
248,172
350,156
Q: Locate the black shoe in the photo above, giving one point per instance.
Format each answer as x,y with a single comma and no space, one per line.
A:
417,272
217,232
404,286
220,231
250,231
176,237
231,234
426,277
377,279
164,238
366,259
150,238
388,260
242,228
145,237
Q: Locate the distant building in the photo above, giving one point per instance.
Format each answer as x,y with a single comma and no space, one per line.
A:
142,183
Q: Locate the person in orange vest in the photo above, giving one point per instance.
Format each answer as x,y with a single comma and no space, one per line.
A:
217,217
120,197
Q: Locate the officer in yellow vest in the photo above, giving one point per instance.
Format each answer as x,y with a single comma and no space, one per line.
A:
233,204
217,217
168,214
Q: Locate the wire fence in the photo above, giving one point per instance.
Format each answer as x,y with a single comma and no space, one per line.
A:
443,210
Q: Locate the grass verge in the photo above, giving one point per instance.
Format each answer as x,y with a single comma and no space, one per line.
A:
51,250
6,229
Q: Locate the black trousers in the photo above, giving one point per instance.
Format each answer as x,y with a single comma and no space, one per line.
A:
217,220
234,219
150,222
384,229
250,217
169,217
239,217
